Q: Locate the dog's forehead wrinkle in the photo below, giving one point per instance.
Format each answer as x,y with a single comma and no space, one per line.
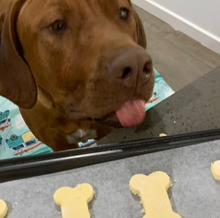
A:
97,7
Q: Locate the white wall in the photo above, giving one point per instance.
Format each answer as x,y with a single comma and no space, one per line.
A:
200,19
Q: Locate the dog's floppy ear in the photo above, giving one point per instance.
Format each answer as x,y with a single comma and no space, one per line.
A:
140,36
16,81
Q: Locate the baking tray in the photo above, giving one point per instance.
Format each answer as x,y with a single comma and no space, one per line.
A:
194,194
23,167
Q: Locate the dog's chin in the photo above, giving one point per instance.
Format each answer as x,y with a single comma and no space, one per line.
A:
110,120
75,115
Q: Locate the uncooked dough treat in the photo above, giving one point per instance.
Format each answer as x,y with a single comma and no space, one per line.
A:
3,209
215,169
162,135
152,190
74,201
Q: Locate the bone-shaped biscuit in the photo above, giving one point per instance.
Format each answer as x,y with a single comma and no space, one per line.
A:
152,190
3,209
215,169
74,201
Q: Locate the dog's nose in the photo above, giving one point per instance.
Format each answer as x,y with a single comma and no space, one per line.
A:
129,63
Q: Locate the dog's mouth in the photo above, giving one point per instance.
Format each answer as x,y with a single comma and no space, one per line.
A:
130,114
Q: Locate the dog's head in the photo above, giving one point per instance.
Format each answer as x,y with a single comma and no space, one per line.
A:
87,56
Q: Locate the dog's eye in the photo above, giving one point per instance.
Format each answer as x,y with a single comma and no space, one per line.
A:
123,14
58,26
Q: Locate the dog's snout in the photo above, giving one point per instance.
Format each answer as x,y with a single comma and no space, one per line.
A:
127,64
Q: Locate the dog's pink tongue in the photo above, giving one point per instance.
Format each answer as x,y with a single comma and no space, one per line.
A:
132,113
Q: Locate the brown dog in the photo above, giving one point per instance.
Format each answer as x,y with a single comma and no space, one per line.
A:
75,68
